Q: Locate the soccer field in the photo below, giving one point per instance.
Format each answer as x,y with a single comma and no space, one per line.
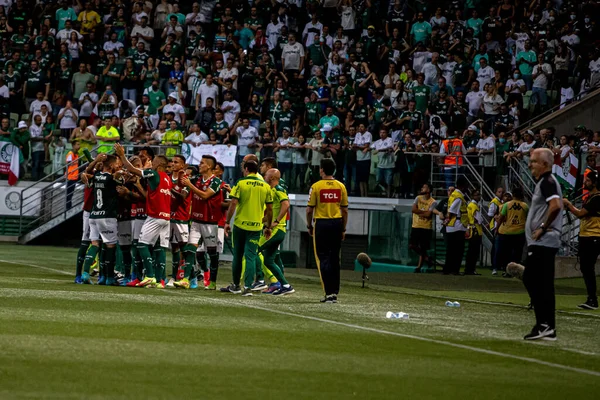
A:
61,340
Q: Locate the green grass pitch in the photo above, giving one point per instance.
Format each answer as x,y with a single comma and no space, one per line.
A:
59,340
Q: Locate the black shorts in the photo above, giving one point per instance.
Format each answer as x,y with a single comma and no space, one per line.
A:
363,170
420,238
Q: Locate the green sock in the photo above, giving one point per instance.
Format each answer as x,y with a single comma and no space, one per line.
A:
214,264
147,261
81,253
126,255
101,260
189,253
160,255
110,258
119,266
260,276
279,262
176,256
201,258
275,270
90,257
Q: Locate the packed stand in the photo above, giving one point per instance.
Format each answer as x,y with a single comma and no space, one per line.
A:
366,83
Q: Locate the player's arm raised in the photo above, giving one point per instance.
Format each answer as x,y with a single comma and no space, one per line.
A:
203,194
120,152
99,158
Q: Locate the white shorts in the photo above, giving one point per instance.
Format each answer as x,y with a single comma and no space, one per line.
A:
86,227
125,232
137,228
155,230
180,232
104,229
220,241
204,235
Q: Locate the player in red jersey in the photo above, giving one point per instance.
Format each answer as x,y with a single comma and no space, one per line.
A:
206,205
225,201
180,213
158,208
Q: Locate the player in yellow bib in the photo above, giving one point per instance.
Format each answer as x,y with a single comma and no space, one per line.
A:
268,246
252,203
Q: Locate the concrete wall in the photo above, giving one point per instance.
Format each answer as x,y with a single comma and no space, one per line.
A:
585,112
568,267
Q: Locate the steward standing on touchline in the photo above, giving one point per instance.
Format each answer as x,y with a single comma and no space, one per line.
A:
328,207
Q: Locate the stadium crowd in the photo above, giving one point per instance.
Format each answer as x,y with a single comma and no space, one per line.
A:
297,80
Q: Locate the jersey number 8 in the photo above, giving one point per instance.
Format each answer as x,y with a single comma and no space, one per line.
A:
99,201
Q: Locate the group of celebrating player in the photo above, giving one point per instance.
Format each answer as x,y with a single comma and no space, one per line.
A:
144,204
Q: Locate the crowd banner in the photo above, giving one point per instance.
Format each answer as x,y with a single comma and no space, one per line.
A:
10,160
222,152
566,171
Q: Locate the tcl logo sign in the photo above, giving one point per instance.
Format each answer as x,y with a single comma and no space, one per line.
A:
330,195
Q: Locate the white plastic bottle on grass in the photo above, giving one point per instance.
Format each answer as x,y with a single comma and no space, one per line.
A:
398,315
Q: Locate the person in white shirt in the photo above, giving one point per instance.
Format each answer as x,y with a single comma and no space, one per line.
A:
362,145
292,55
390,79
515,87
486,146
566,94
68,117
491,103
455,230
420,57
87,101
273,31
196,136
144,33
37,104
4,92
113,45
175,108
193,17
384,148
310,29
474,99
64,34
36,132
432,70
158,134
541,72
231,109
229,72
525,149
247,136
207,90
485,73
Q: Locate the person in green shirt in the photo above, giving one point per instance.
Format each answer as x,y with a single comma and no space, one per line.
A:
268,246
312,112
329,121
526,60
20,137
421,94
318,52
475,23
220,127
106,136
411,119
252,203
420,30
172,137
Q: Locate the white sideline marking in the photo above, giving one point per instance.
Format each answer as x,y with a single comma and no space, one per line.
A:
420,338
374,330
37,266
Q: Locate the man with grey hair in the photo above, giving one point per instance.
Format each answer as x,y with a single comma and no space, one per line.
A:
542,231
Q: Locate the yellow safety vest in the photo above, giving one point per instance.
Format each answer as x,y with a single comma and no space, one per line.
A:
498,204
473,208
464,218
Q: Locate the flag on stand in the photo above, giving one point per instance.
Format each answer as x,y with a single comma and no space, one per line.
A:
10,161
566,171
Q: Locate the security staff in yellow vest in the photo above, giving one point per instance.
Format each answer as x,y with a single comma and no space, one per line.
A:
589,237
456,226
511,233
493,212
420,235
475,233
